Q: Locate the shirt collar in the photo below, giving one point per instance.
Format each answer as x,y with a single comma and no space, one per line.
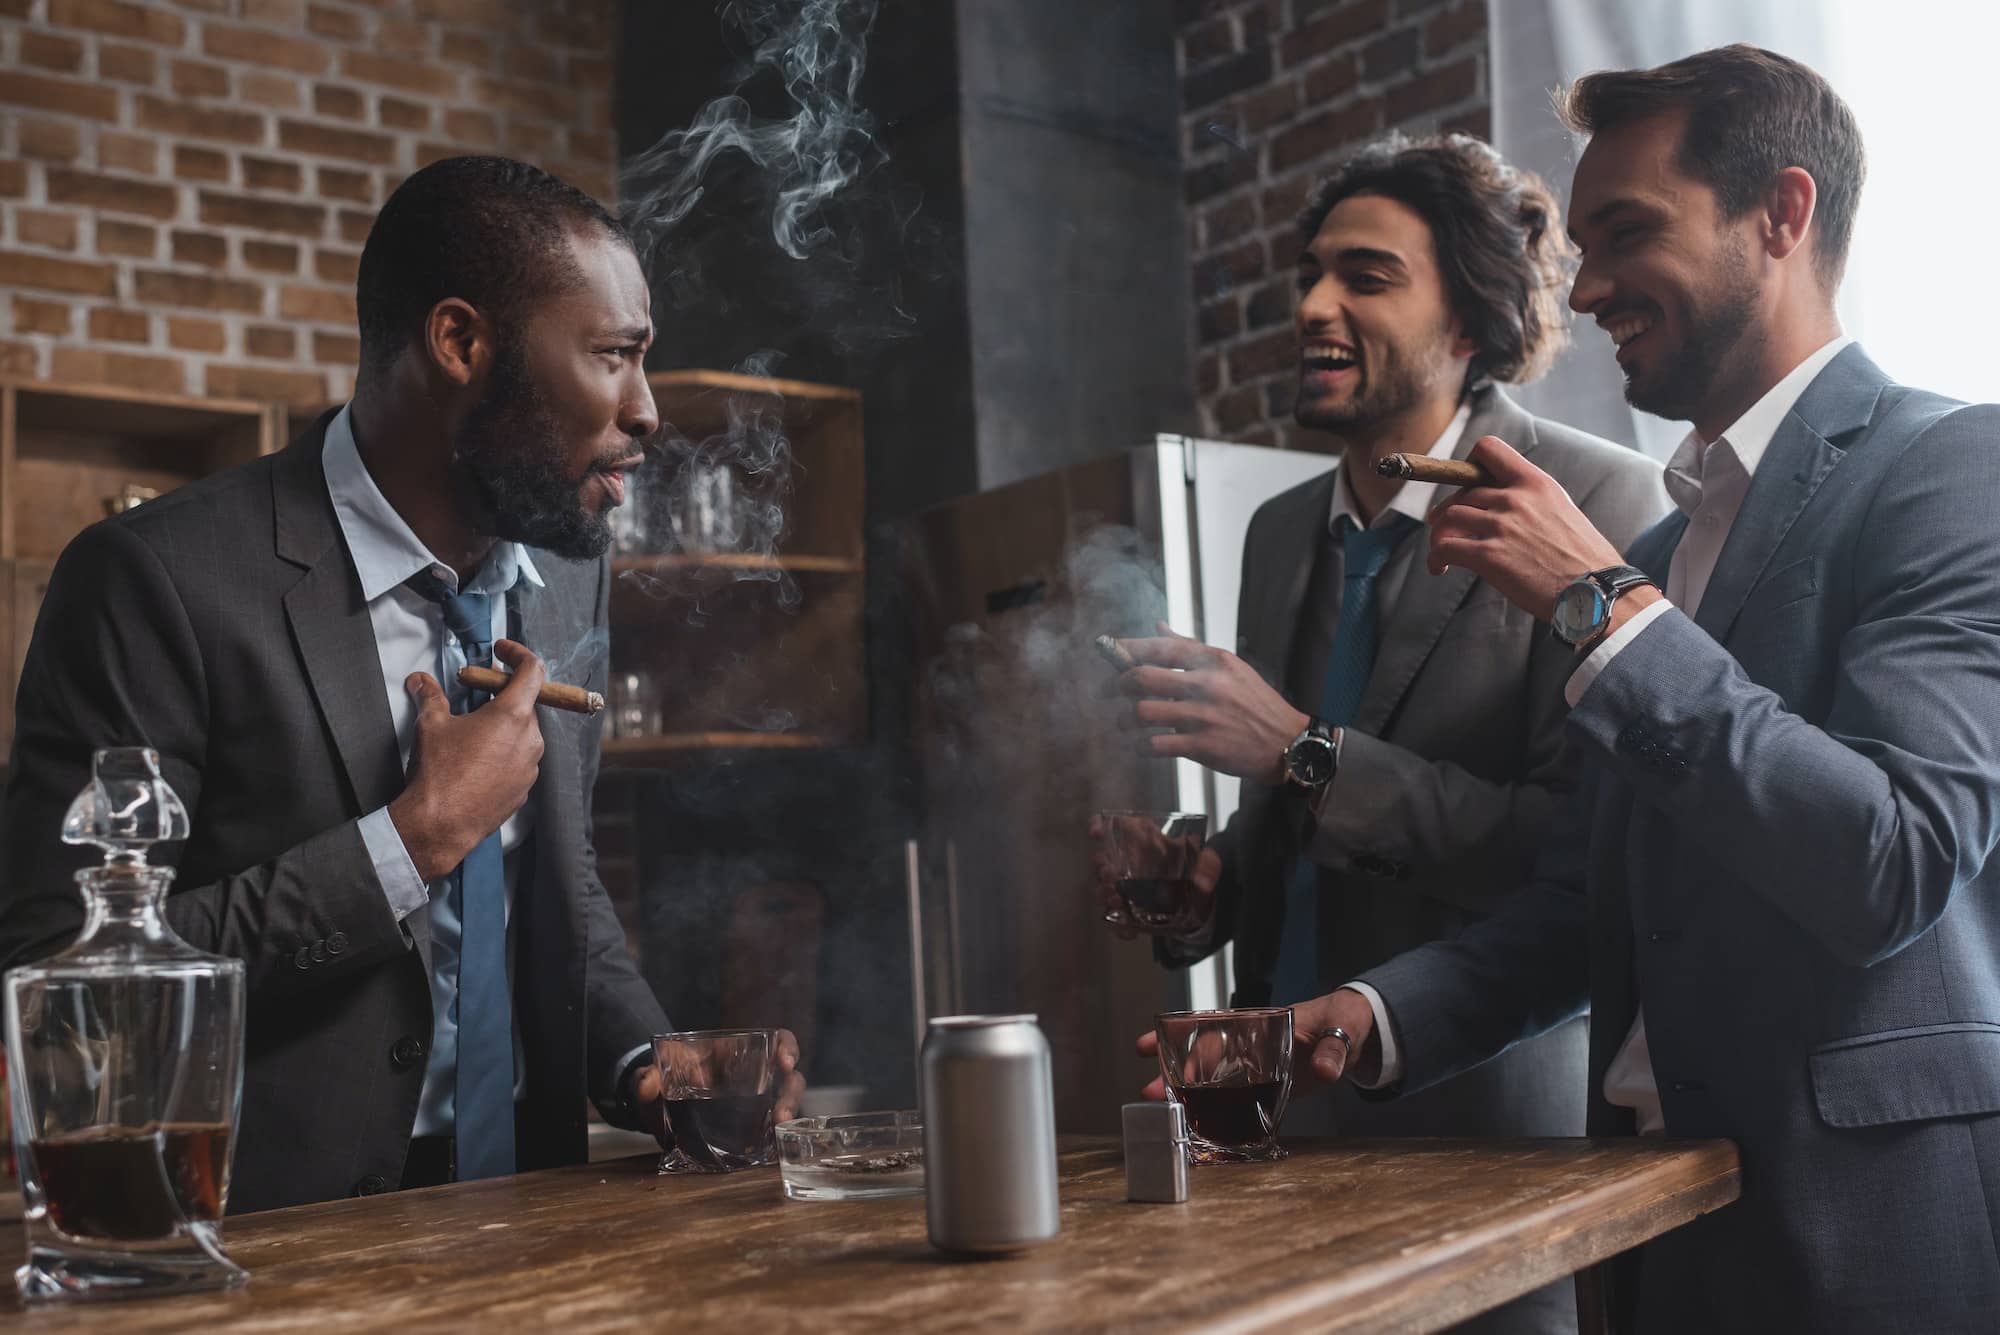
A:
385,550
1749,436
1412,498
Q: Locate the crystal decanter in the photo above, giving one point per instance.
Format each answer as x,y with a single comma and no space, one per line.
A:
126,1058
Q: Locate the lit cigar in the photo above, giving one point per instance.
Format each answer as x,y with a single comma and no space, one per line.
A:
1423,468
554,694
1114,653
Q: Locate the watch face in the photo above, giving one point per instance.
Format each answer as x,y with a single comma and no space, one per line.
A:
1581,610
1310,760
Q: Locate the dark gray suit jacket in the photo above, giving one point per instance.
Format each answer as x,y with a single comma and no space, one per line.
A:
223,626
1785,852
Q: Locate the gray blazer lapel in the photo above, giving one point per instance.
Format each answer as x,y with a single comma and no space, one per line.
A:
331,629
1427,601
1840,400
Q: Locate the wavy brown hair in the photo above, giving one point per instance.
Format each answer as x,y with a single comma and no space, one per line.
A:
1500,246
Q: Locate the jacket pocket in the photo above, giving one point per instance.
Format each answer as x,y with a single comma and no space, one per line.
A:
1784,586
1908,1075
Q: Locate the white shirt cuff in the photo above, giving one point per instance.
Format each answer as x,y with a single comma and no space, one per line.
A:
1385,1033
401,886
1600,657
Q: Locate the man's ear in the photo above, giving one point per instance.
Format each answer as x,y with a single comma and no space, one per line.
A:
1788,212
458,341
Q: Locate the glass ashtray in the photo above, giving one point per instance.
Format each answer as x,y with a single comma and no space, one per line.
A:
852,1156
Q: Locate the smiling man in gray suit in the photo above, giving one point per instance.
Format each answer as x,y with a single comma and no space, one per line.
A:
1427,271
1780,898
436,979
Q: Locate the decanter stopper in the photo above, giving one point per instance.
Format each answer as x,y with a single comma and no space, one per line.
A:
127,808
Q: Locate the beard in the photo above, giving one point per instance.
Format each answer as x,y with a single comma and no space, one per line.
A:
1391,385
511,468
1686,377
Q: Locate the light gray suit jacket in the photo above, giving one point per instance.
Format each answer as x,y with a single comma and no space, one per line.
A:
1785,851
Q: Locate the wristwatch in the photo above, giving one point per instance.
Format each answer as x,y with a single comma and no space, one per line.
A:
1313,757
1583,608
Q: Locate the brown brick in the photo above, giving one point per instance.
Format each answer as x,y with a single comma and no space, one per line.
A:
1335,28
272,174
256,47
1217,321
94,366
355,225
549,104
338,100
1391,54
585,27
18,358
1208,373
1433,90
485,15
400,38
586,73
317,305
341,24
204,248
338,183
198,78
127,64
1223,174
589,146
337,349
150,23
128,152
264,215
270,256
1259,111
472,128
466,48
1324,135
328,142
1226,222
1269,305
115,324
163,288
397,114
1283,201
1203,42
530,142
1263,355
281,92
1236,410
407,75
52,141
139,240
276,13
13,178
62,95
200,164
1475,121
1333,78
1457,26
337,266
532,62
1250,69
113,194
33,316
42,227
191,334
270,341
169,116
50,51
257,382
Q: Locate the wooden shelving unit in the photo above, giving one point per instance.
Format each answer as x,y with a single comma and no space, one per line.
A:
67,451
738,667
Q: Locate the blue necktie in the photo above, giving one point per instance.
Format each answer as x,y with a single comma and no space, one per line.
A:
483,1100
1364,552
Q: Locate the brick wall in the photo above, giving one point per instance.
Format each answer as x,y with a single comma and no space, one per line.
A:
1273,92
185,187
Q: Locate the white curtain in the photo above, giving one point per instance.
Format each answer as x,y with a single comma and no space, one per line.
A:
1918,74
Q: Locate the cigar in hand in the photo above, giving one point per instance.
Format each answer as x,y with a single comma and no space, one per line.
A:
1115,653
1423,468
554,694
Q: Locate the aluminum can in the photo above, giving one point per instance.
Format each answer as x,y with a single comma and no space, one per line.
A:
989,1134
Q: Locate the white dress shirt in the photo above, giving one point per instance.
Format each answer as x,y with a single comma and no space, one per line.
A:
410,636
1708,482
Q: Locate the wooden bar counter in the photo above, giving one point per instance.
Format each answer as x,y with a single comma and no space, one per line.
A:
1344,1235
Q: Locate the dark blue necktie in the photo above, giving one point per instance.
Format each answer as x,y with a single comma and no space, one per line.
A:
1363,553
483,1099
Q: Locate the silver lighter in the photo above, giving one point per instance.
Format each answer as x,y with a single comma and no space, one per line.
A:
1156,1153
989,1134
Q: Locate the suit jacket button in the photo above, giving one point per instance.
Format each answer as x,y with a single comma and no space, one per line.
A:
304,957
372,1185
336,943
406,1052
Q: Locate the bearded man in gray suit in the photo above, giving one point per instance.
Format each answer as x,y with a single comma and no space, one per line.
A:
1427,272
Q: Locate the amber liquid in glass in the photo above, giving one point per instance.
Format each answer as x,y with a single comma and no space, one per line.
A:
724,1130
1232,1115
133,1183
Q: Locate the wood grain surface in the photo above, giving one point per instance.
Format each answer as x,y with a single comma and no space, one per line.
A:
1343,1235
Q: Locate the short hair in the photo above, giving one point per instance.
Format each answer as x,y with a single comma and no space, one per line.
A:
488,230
1751,113
1504,258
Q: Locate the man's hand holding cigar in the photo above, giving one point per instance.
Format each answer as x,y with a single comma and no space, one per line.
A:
1522,534
468,772
1217,709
